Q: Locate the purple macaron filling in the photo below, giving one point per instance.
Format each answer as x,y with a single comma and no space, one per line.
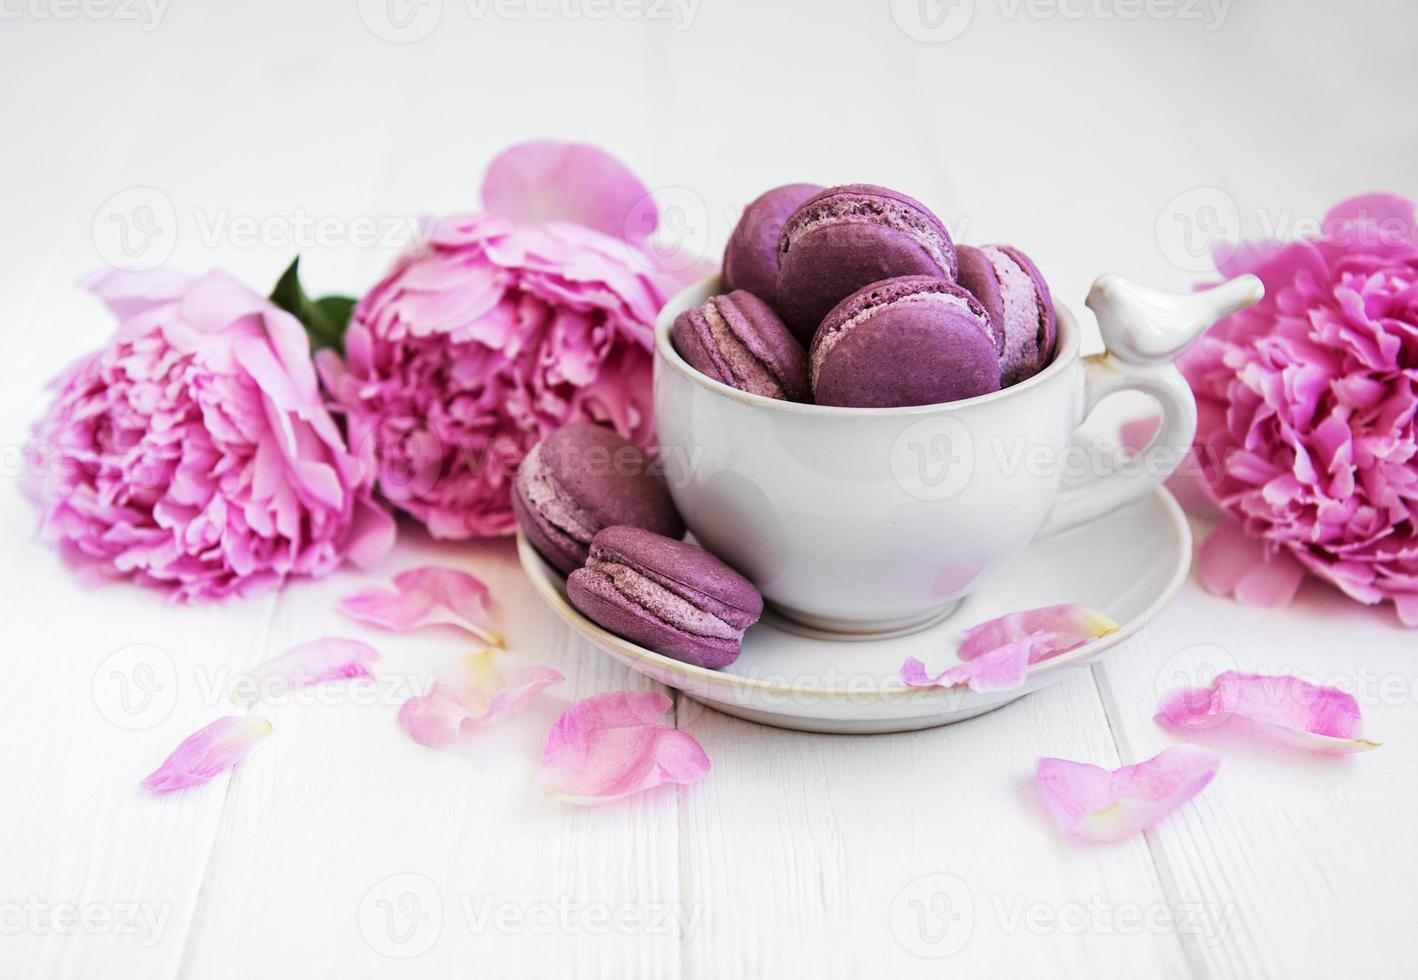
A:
669,596
740,367
851,206
653,596
550,503
1023,313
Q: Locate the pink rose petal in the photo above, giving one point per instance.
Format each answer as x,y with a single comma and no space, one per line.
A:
545,180
1001,669
208,751
330,658
1098,805
1231,563
1303,714
481,691
612,745
1069,626
428,596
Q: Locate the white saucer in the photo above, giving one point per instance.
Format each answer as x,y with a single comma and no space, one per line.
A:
1128,565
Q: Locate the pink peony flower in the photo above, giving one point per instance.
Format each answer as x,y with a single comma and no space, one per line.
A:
1306,434
500,327
193,452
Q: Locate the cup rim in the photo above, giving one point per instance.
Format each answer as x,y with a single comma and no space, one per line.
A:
1065,354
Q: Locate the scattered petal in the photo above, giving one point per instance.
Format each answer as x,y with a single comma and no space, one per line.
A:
330,658
1001,669
208,751
1068,626
612,745
1306,715
546,180
1232,563
428,596
481,691
1100,805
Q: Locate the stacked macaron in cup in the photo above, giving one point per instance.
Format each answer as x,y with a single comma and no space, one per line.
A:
852,296
873,298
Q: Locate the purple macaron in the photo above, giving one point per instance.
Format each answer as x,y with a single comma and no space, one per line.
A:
669,596
737,340
751,257
912,340
580,479
1017,298
852,236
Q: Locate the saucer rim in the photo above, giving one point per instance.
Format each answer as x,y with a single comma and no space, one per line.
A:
543,577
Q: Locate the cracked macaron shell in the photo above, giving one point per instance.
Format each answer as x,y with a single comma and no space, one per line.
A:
851,236
738,340
1008,284
912,340
751,257
580,479
670,596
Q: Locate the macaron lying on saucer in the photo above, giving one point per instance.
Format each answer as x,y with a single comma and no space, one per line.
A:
851,236
912,340
580,479
738,340
670,596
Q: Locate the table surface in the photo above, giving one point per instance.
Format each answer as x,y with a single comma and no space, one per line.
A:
1100,136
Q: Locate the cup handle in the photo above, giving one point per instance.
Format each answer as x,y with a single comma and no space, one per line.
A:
1145,331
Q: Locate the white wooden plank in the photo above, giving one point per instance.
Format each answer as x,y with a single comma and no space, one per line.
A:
345,801
1288,843
525,886
913,855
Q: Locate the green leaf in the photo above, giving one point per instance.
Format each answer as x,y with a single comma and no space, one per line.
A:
325,319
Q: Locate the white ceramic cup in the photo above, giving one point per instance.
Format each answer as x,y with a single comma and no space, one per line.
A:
872,520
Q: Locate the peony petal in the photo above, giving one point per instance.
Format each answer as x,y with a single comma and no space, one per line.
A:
1068,626
208,751
545,180
481,691
330,658
1100,805
1390,217
427,596
612,745
371,534
1001,669
1303,714
1235,564
127,293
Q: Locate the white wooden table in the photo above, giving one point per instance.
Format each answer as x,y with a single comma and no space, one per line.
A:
340,848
